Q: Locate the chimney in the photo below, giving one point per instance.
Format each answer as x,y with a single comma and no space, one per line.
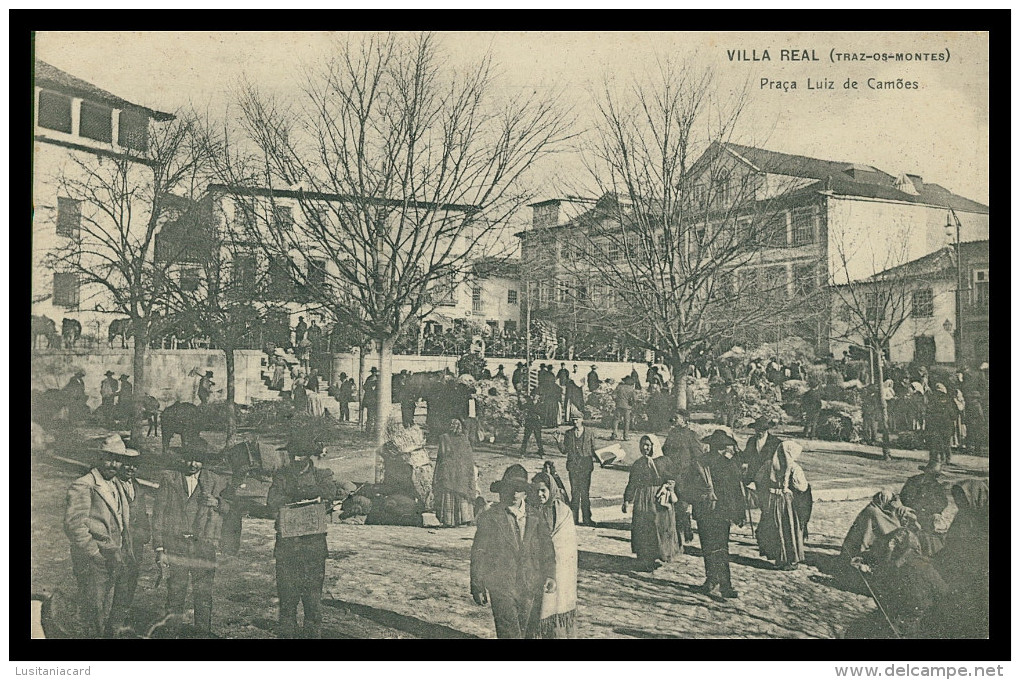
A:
906,185
545,214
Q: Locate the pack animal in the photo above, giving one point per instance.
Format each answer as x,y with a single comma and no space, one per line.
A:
44,325
121,327
70,331
183,419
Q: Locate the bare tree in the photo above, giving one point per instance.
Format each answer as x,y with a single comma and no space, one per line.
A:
405,170
125,202
674,254
874,292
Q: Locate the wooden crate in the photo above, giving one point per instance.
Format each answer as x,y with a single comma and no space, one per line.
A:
302,519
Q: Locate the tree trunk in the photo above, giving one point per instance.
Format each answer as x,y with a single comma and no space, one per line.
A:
886,453
231,411
141,339
383,394
679,368
360,391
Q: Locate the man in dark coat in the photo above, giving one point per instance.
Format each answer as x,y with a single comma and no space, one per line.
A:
371,398
518,378
300,330
75,398
532,424
187,521
513,561
108,390
205,385
719,503
300,560
579,446
98,524
760,448
682,447
562,376
125,396
939,425
593,379
408,400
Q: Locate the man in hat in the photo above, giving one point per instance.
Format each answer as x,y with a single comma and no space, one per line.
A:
532,414
518,378
97,522
205,385
75,398
593,379
300,560
625,397
125,396
513,561
760,448
187,520
682,447
579,446
141,532
500,373
108,390
718,502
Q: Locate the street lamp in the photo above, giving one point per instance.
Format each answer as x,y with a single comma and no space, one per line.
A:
958,336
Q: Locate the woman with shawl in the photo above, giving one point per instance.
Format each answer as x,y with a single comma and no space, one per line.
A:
651,490
963,563
884,514
455,484
559,608
780,532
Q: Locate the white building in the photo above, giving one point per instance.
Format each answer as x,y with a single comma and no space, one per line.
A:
77,125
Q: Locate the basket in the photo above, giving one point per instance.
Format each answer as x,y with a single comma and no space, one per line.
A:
302,519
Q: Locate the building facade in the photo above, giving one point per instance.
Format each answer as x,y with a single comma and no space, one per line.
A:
79,130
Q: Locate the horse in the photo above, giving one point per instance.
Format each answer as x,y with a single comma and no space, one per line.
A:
121,327
45,326
70,331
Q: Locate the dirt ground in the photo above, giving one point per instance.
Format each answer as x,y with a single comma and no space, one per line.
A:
404,582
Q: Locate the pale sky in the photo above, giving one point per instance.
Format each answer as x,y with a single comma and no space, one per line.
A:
938,131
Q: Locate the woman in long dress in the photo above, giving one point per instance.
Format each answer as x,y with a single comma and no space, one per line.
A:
455,484
559,608
780,536
651,490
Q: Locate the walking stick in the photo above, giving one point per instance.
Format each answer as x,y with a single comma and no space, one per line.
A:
747,511
880,607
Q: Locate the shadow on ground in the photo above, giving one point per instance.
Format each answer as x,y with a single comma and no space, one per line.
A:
401,622
606,564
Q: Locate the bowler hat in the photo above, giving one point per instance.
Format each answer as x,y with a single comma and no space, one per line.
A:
114,445
720,440
762,423
594,367
515,478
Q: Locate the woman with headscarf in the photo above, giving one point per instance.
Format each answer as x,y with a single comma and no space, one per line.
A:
455,484
883,514
780,532
963,563
559,608
651,488
907,584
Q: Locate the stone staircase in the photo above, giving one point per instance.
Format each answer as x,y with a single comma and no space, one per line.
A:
259,390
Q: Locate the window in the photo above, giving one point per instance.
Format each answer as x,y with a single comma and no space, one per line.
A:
283,217
476,299
55,111
805,281
190,277
65,290
511,297
613,251
133,130
581,291
980,294
316,215
802,221
317,274
544,292
773,282
924,350
923,303
96,122
68,217
874,306
510,326
243,275
562,291
699,195
279,277
447,291
244,212
724,192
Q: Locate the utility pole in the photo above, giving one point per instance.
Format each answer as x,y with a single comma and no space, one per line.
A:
958,336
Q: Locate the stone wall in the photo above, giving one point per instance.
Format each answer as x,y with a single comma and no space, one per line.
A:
172,374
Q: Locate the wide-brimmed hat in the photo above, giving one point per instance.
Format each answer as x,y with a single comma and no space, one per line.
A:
114,446
515,478
762,423
594,367
124,375
208,374
720,440
109,373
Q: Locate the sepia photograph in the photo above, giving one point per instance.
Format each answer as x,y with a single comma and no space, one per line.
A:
510,334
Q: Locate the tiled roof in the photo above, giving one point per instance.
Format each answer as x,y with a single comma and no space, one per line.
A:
942,261
851,179
52,77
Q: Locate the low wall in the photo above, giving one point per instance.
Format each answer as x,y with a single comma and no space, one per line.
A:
170,373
